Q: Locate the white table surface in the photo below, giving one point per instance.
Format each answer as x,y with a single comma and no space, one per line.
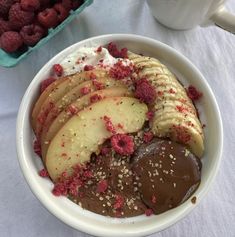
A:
212,50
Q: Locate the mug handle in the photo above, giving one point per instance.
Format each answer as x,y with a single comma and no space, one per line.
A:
224,19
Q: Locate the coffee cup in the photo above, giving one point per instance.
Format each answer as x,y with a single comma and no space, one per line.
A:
187,14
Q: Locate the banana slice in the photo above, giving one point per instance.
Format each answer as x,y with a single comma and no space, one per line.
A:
175,115
178,130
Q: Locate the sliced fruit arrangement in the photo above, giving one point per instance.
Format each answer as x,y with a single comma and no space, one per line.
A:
55,92
50,131
84,132
174,113
119,116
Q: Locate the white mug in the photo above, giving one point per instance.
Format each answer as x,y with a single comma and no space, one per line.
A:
186,14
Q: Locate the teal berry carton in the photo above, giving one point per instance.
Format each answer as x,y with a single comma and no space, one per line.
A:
12,59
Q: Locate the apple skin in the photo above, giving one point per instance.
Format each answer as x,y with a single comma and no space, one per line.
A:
85,132
79,104
48,99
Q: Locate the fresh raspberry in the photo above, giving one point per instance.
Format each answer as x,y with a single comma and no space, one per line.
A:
193,93
44,3
5,6
10,41
31,34
76,4
122,144
48,18
30,5
144,91
58,69
4,26
67,4
18,17
45,83
62,12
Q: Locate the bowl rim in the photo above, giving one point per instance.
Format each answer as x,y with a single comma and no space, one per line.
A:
98,230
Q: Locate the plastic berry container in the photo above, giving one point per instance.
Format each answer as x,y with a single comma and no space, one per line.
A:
12,59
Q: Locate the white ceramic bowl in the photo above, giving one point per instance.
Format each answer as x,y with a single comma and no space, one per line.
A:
98,225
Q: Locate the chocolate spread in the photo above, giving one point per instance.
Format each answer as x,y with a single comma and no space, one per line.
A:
167,174
159,176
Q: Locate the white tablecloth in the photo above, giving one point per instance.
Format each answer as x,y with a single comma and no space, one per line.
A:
212,50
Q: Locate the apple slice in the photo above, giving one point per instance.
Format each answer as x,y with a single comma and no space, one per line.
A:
59,91
85,132
42,98
79,104
74,94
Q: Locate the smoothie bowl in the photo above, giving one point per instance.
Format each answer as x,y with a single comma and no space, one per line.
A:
116,136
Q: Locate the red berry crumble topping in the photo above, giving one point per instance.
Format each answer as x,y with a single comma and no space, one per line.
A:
144,91
148,136
120,71
102,186
193,93
85,90
37,147
149,212
119,202
123,144
113,50
94,98
45,83
88,67
43,173
58,69
150,115
109,125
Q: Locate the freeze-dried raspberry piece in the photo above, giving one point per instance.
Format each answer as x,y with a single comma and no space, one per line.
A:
43,173
102,186
58,69
193,93
46,83
144,91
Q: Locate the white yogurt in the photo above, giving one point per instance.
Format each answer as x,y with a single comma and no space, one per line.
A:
76,61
